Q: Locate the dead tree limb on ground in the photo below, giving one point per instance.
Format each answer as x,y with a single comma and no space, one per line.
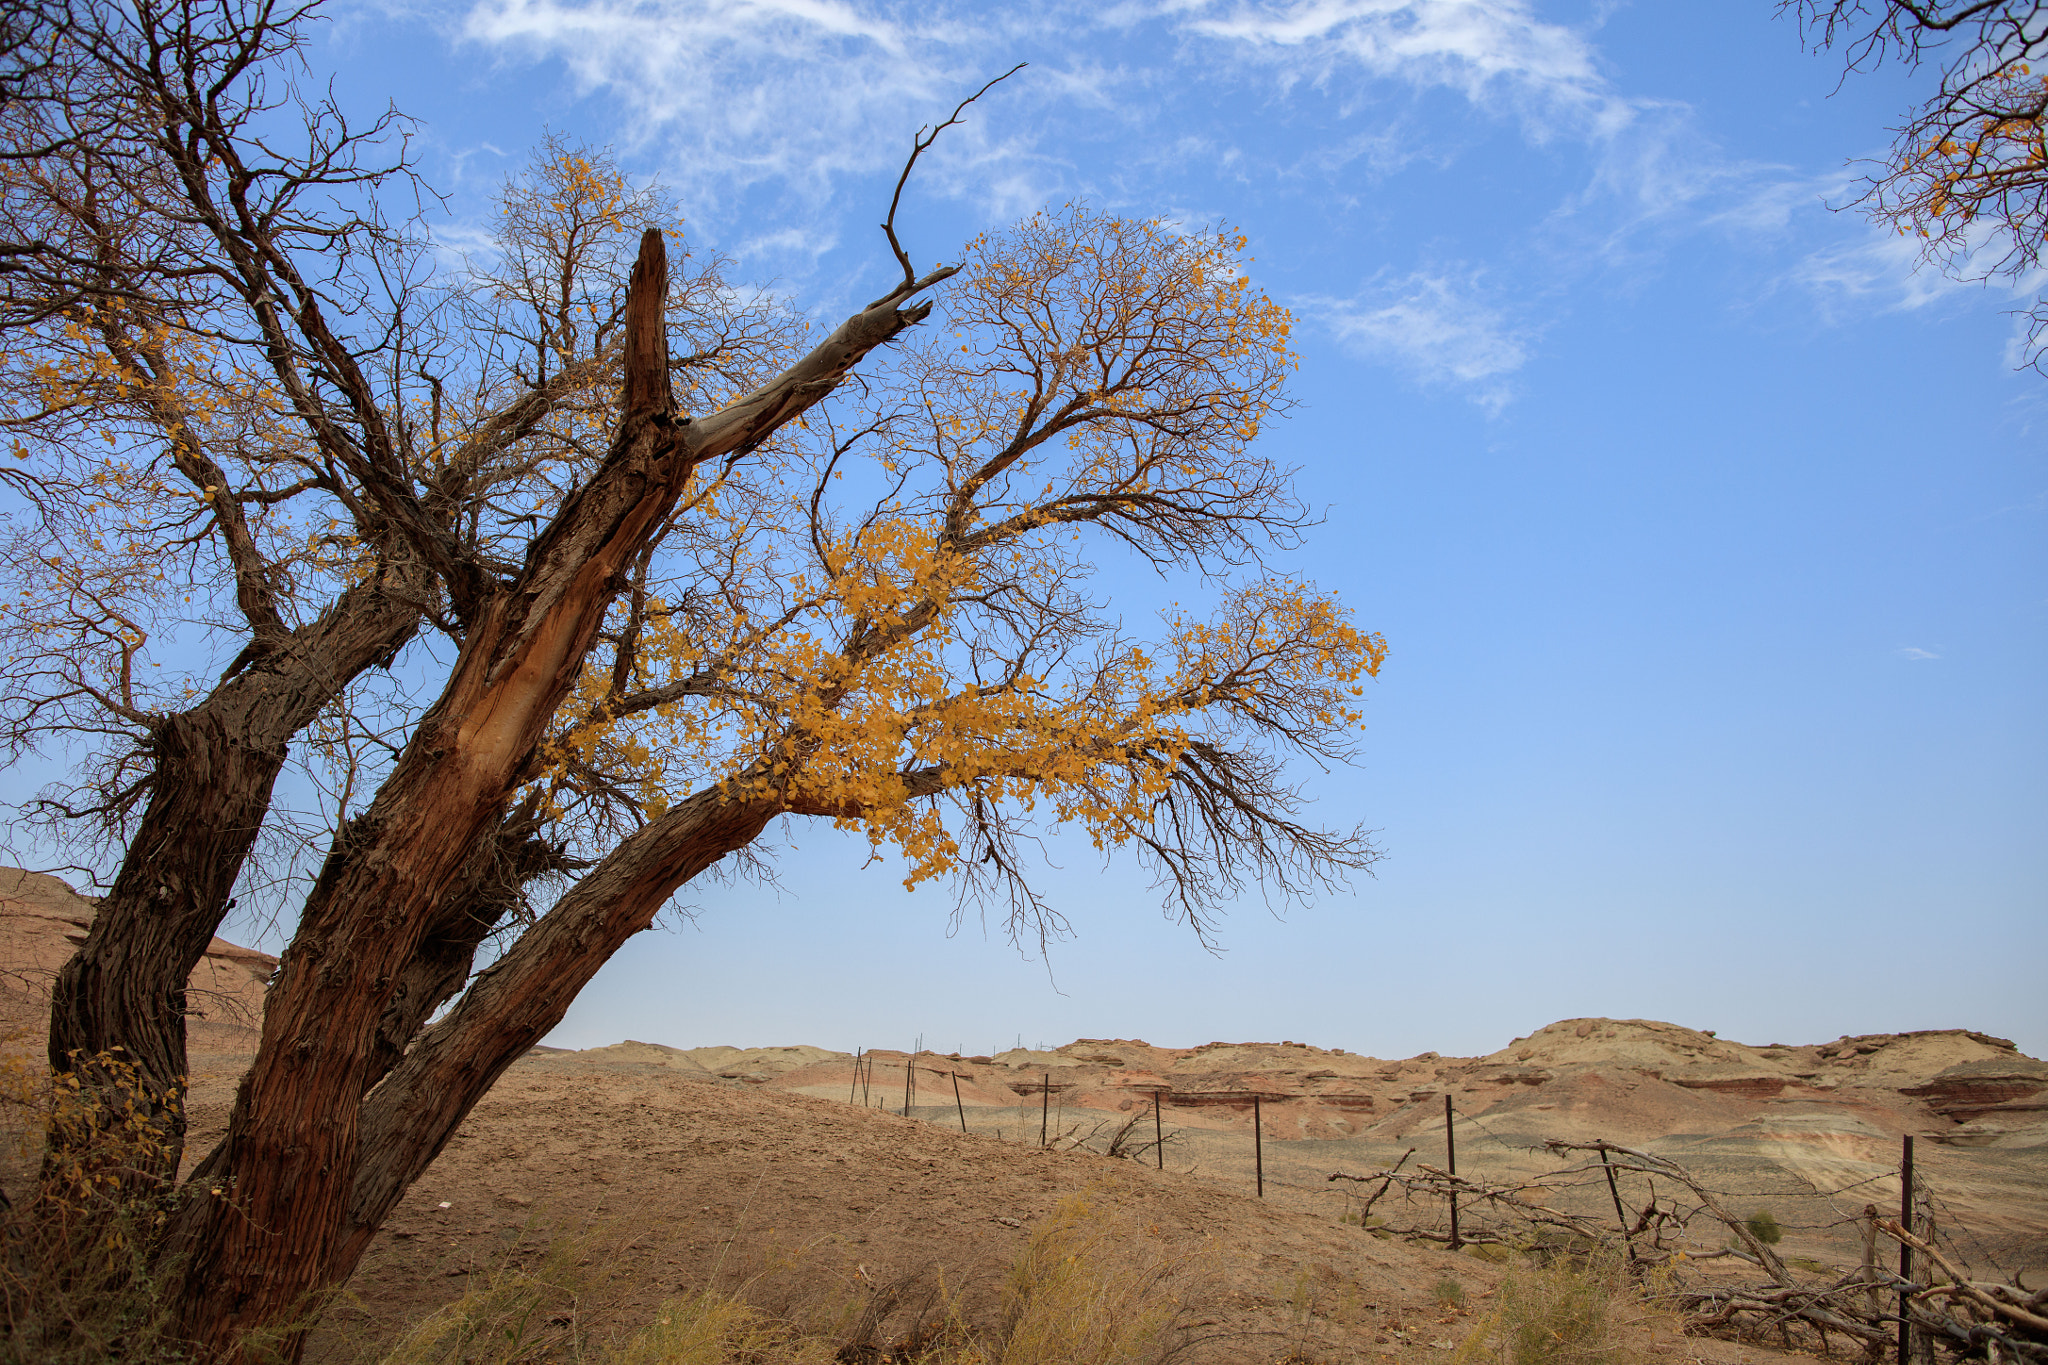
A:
1969,1318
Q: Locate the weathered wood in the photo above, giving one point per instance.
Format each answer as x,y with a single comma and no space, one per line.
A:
215,768
296,1144
1962,1284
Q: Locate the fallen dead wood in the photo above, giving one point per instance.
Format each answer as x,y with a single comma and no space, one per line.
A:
2002,1299
1862,1307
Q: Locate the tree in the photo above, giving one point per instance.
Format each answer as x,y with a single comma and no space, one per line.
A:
1968,170
566,619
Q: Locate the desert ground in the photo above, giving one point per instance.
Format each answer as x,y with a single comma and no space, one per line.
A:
790,1166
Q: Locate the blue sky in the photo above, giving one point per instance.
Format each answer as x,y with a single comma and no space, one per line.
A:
1706,534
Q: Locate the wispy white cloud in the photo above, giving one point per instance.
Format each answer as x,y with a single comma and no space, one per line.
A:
795,91
1495,53
1877,267
802,92
789,241
1910,652
1881,269
1652,173
789,99
1437,327
752,104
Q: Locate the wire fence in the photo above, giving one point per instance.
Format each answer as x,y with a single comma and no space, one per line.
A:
1519,1194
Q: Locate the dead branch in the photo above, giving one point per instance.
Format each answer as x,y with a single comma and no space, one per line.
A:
1993,1297
1863,1305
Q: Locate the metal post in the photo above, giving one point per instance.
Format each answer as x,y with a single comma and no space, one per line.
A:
909,1070
956,1102
1158,1134
1451,1149
1905,1251
1044,1107
854,1087
1258,1147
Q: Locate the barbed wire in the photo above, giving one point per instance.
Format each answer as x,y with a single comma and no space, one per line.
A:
1943,1223
1955,1220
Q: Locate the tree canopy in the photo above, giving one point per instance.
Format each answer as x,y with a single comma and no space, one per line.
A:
566,570
1968,169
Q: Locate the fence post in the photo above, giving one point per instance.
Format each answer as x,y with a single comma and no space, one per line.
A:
853,1087
1451,1151
1258,1147
1870,1259
1044,1107
956,1102
1905,1251
1158,1133
1628,1246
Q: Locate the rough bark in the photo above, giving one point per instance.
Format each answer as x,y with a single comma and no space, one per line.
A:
291,1155
216,765
492,887
517,1000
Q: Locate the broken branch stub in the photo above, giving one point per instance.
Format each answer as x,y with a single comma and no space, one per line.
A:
648,390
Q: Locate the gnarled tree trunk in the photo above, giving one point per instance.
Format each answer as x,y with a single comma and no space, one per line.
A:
291,1219
123,992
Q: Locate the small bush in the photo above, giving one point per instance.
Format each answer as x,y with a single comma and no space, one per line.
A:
1493,1253
708,1330
513,1312
1448,1293
1570,1313
1087,1290
77,1283
1764,1228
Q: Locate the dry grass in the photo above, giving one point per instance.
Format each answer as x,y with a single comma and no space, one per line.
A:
75,1282
1091,1287
1567,1313
517,1311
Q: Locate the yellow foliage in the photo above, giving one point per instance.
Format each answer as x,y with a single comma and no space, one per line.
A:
854,653
77,1285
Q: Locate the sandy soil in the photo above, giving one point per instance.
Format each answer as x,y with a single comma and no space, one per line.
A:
712,1164
712,1180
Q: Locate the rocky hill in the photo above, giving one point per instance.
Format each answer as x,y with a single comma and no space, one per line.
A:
42,921
763,1138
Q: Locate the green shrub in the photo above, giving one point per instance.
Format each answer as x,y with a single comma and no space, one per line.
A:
1764,1228
1448,1293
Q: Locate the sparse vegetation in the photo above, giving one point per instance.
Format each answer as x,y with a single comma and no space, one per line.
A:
1089,1288
75,1283
1568,1313
1448,1293
516,1311
1764,1227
